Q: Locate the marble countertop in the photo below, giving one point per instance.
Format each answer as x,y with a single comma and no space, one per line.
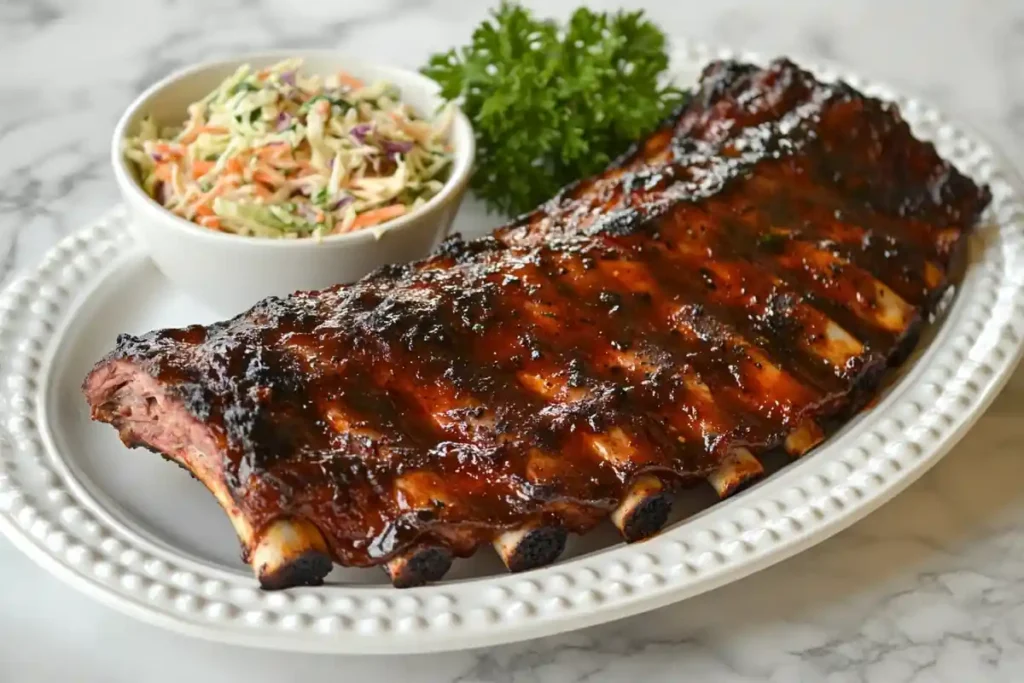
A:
928,588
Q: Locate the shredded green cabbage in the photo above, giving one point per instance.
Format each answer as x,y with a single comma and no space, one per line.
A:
276,153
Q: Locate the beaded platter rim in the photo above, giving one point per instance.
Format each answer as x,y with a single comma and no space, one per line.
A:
54,519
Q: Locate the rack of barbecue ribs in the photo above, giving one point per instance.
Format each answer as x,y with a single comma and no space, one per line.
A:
738,282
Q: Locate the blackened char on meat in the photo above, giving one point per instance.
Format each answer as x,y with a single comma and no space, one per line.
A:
752,264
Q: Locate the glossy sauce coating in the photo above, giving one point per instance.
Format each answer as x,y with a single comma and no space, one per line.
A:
756,261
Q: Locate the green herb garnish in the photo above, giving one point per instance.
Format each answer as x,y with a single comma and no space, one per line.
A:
244,86
553,104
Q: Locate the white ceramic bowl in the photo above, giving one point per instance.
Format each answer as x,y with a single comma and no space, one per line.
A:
231,272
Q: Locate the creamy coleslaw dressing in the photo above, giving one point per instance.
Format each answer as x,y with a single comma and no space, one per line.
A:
275,153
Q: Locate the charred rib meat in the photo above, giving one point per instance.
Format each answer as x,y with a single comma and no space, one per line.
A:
736,283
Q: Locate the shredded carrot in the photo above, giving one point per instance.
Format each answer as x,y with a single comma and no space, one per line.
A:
234,165
224,184
201,168
271,152
210,222
165,149
162,172
265,174
375,216
351,81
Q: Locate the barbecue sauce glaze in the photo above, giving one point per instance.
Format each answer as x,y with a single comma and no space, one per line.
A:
681,304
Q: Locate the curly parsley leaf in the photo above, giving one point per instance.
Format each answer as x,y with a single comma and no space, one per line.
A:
553,104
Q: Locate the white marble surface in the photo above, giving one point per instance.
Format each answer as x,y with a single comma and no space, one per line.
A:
929,588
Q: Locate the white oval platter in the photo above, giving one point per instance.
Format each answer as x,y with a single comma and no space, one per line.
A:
139,535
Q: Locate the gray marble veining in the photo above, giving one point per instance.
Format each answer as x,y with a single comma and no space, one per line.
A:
928,588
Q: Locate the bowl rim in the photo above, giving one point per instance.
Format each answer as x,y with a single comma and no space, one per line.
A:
462,159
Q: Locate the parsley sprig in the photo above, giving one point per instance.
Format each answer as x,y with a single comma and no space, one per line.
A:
553,104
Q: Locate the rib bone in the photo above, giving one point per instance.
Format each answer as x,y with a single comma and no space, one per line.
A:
421,564
644,509
738,469
533,545
805,437
290,552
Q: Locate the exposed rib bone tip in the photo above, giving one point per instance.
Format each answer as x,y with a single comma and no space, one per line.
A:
644,509
738,469
530,546
805,437
290,552
419,565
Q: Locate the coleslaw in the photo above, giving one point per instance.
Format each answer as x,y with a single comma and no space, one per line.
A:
276,153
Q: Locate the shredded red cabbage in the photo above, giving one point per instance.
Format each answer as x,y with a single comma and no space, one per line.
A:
393,147
344,199
361,131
